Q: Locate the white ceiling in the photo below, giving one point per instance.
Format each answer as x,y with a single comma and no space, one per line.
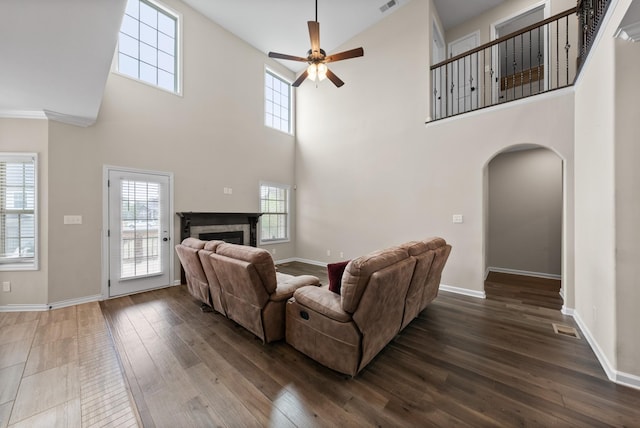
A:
56,56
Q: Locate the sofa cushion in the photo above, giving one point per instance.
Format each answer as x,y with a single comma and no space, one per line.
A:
285,289
212,245
335,271
322,301
356,275
259,257
194,243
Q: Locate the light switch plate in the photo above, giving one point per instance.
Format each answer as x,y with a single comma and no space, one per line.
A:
73,219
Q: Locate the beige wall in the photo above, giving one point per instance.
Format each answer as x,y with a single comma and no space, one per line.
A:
30,136
525,212
595,200
211,137
627,178
377,176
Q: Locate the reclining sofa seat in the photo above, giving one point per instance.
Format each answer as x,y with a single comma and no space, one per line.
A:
197,282
253,293
431,255
381,293
345,332
212,279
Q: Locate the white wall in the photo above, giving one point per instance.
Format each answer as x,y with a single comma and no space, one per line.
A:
627,179
595,195
525,212
29,135
370,174
211,137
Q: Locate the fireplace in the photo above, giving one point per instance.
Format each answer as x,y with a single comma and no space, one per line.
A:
236,228
236,237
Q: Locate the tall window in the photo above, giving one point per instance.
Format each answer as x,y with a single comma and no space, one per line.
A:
18,194
147,44
274,204
277,103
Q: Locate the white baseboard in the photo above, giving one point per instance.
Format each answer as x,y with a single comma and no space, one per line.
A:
465,291
23,308
307,261
54,305
522,272
78,301
614,375
289,260
177,282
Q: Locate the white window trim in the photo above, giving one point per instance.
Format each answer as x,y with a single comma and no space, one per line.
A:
288,190
35,265
292,107
178,92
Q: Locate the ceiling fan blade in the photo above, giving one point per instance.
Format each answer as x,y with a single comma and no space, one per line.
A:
300,79
353,53
314,35
335,79
285,56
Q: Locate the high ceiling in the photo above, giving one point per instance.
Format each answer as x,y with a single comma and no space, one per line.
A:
455,12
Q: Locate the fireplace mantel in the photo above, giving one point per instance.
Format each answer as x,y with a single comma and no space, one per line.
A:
189,219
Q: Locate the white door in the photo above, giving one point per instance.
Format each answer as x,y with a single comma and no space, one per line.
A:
463,78
139,243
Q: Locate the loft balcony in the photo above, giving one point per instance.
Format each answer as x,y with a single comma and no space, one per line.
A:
535,59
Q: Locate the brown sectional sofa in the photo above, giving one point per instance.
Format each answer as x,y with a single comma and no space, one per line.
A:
241,283
380,294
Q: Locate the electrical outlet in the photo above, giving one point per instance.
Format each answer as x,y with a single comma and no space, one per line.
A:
341,254
328,253
273,251
6,286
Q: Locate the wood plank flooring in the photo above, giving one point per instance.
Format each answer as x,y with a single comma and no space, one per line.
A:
60,368
462,362
521,289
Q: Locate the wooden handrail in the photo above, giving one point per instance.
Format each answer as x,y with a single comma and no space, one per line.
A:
507,37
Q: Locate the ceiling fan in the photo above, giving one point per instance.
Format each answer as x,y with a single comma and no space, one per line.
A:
317,58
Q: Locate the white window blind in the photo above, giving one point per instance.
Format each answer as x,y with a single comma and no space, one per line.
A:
274,204
18,225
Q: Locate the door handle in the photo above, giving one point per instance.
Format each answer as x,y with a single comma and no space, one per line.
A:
165,239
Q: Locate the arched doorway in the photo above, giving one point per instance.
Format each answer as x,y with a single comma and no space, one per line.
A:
524,226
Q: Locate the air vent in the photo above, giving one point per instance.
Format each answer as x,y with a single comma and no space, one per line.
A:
564,330
388,5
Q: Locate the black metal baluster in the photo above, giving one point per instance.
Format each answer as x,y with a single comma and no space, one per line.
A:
566,48
522,66
557,55
515,64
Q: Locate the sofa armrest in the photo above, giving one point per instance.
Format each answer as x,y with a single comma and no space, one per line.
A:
285,290
323,301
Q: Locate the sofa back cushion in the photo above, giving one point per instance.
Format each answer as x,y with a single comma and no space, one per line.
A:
357,273
423,255
441,252
380,312
197,283
258,257
240,279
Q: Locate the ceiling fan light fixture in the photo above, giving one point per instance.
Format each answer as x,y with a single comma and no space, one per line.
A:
317,71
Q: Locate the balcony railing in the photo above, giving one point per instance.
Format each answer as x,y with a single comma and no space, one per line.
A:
539,58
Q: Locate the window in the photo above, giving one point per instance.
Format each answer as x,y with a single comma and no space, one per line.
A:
18,195
147,44
274,204
277,102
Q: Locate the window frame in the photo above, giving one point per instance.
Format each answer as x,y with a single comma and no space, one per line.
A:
288,82
287,213
5,263
162,8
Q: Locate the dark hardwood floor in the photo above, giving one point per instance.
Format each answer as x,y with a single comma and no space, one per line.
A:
462,362
521,289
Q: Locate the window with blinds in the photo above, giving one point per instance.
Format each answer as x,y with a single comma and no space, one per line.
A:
274,205
18,226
